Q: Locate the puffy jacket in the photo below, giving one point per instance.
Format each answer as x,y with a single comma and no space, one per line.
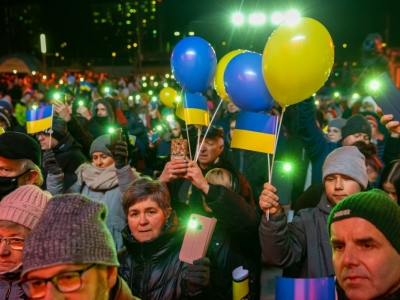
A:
302,244
152,269
10,290
116,219
69,157
235,240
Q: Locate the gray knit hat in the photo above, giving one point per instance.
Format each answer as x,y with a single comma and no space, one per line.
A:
349,161
99,145
72,230
337,123
376,207
24,206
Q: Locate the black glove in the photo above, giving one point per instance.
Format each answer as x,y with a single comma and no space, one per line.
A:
50,163
120,154
198,275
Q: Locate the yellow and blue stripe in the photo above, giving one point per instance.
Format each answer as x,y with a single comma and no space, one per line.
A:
39,119
255,132
195,109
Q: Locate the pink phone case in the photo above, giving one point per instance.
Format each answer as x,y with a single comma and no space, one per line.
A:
197,238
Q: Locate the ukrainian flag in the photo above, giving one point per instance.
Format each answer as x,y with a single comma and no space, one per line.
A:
255,132
195,109
86,86
39,119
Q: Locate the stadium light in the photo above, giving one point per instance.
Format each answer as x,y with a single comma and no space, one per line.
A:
237,18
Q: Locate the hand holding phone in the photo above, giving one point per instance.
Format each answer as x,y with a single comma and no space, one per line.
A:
115,136
178,149
282,180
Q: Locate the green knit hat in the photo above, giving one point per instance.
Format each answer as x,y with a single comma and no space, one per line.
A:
376,207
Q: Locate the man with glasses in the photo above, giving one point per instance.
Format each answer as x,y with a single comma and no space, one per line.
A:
20,160
19,213
71,254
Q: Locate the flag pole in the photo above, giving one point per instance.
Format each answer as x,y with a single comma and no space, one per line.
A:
187,130
51,127
277,137
208,128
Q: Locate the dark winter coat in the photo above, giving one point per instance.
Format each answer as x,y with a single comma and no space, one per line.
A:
302,244
152,269
10,290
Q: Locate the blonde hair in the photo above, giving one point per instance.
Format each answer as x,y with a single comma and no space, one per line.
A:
27,164
220,176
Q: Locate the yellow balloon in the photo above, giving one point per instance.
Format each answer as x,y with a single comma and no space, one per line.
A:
1,130
219,73
297,60
168,96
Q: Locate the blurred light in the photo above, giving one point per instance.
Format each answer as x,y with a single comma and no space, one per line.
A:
336,94
43,47
57,96
292,17
107,90
159,127
154,99
81,79
144,84
44,77
172,76
113,54
315,94
191,33
57,54
384,45
237,18
151,77
111,130
178,98
155,83
355,96
354,64
170,118
33,72
374,84
34,107
165,84
61,81
129,46
192,224
336,74
277,18
167,75
62,57
344,45
15,71
144,78
154,31
150,93
134,45
177,33
130,97
223,43
137,97
316,102
81,103
257,19
287,167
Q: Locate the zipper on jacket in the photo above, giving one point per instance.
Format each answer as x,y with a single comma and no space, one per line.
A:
145,276
9,290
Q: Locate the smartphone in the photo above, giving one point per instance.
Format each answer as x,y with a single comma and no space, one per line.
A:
115,137
197,238
155,136
386,95
178,149
153,105
282,180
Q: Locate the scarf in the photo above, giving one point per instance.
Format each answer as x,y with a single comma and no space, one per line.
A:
97,178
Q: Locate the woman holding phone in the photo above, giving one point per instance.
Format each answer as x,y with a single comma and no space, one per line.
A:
105,179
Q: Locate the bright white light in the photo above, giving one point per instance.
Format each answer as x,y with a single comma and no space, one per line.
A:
144,78
81,79
167,75
298,38
177,33
150,93
144,84
61,81
33,72
257,19
156,83
277,18
151,77
154,98
374,84
44,77
292,17
172,76
15,71
237,18
137,97
191,33
43,47
178,98
165,84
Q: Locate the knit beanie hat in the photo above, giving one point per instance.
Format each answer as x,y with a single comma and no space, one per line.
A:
99,145
58,129
356,124
17,145
72,230
24,206
376,207
349,161
337,123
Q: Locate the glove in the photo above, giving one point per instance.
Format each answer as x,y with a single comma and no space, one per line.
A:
120,154
198,275
50,163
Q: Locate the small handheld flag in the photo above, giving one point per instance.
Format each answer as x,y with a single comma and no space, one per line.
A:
40,119
195,109
255,132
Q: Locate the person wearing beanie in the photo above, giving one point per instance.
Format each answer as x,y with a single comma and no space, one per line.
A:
335,129
58,145
72,248
364,235
301,247
317,146
19,213
6,120
104,179
20,159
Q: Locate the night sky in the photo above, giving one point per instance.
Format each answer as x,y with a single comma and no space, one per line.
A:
348,21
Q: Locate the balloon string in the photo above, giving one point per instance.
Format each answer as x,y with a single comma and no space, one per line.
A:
208,128
187,130
269,176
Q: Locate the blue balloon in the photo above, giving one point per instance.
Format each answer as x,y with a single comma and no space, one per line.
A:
193,63
245,85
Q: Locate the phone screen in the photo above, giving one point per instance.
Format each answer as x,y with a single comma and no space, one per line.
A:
282,180
115,136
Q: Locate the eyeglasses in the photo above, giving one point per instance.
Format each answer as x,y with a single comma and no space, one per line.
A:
66,282
42,134
14,242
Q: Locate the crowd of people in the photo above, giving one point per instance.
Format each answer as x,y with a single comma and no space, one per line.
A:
95,208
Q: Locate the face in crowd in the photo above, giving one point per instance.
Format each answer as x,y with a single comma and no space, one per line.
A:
339,186
46,141
101,110
102,160
356,137
209,152
334,134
